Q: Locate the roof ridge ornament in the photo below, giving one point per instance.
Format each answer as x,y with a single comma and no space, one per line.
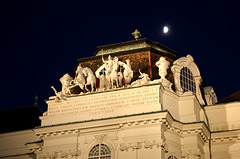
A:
136,34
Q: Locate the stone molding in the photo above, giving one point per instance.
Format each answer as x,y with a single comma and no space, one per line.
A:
193,153
147,144
167,121
59,154
226,139
58,133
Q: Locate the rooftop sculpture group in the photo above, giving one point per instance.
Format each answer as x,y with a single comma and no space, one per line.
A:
110,75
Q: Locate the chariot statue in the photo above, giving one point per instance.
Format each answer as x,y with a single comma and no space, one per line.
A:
110,74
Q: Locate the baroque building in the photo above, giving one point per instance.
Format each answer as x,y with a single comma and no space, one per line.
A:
136,99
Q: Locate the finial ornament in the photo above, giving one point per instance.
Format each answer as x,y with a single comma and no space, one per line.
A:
136,34
36,100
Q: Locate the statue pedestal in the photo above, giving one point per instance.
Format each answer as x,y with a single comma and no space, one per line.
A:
100,105
166,84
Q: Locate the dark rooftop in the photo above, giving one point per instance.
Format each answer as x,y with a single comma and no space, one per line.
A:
232,98
133,45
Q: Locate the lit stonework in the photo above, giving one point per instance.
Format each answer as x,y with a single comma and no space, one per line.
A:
136,100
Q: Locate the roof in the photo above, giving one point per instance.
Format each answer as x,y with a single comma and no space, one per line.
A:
133,45
232,98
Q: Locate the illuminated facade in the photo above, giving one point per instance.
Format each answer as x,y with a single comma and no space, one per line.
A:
138,100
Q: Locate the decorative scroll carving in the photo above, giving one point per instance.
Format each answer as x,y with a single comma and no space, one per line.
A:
75,153
63,154
123,147
136,145
100,138
192,154
148,144
162,144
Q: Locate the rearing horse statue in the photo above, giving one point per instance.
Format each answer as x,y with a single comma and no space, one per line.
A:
79,79
90,78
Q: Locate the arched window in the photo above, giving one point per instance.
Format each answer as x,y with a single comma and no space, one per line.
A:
100,151
187,80
172,157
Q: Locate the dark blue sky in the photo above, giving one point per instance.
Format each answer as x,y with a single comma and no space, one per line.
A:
40,40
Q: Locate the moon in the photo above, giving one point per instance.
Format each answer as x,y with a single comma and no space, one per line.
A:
165,29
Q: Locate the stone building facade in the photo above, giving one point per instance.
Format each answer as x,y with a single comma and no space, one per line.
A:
144,102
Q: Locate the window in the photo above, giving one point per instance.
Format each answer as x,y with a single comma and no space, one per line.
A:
100,151
187,80
172,157
213,98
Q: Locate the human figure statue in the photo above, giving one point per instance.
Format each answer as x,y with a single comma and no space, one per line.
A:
114,73
114,77
128,73
66,85
162,65
108,65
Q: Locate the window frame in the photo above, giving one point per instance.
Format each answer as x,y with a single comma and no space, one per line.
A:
189,63
100,155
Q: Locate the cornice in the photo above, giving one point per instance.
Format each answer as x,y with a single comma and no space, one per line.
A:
163,118
222,105
17,133
226,136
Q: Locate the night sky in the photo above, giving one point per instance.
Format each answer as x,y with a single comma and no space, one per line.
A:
40,40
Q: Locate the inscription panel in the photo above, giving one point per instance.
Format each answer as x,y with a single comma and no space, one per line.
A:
105,103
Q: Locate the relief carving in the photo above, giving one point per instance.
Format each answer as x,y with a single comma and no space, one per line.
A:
123,147
100,138
60,154
136,145
75,153
148,144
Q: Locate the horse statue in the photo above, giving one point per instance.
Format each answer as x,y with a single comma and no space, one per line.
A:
79,79
90,78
